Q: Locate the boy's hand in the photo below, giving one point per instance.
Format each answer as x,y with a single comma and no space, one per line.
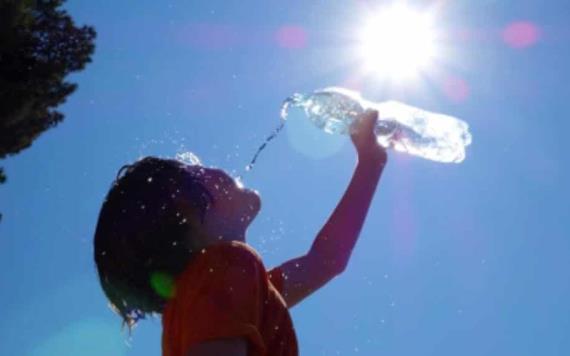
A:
364,138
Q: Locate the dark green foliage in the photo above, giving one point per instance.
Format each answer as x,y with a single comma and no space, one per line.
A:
39,46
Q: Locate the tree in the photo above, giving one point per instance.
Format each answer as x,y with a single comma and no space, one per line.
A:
39,46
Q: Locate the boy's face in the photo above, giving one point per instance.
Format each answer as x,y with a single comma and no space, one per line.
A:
233,207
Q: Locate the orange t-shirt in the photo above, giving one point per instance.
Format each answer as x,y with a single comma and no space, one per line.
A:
226,292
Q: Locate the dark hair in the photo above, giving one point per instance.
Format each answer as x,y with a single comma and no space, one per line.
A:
141,239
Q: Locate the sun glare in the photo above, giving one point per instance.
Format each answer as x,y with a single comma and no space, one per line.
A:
397,43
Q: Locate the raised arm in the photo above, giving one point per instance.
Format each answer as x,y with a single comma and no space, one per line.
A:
331,249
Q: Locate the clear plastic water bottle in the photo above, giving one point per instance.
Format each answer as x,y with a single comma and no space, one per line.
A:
401,127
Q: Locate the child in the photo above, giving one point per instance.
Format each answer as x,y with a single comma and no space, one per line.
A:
170,239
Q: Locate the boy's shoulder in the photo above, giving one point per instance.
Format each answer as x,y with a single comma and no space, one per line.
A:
233,248
233,254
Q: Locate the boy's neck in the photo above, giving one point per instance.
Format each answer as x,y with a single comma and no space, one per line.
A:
220,237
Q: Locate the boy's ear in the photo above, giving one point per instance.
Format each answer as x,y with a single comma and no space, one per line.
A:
190,214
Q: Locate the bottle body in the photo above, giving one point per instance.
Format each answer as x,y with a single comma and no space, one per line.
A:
401,127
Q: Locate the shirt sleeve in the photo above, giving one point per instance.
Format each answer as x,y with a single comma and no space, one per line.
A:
220,296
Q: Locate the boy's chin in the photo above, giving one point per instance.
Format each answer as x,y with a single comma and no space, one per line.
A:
256,204
249,217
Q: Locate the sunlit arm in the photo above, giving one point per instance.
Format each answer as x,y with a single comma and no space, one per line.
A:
331,249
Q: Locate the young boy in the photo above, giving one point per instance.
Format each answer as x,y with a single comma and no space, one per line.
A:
170,239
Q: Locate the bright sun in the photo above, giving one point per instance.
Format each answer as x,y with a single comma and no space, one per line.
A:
397,43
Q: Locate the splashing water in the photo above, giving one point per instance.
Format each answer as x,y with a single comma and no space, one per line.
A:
188,158
249,167
294,100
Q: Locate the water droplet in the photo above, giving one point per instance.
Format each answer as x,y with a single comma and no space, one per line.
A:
239,182
211,270
203,251
188,158
149,179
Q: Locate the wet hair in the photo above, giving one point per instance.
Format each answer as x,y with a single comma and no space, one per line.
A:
141,240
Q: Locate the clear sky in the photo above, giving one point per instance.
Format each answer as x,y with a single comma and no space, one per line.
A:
469,259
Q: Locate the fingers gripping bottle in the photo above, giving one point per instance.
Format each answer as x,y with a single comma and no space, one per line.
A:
402,127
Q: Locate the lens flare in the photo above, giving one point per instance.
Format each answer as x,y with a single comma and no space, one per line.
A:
521,34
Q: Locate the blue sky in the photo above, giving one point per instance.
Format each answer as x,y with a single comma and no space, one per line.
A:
467,259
